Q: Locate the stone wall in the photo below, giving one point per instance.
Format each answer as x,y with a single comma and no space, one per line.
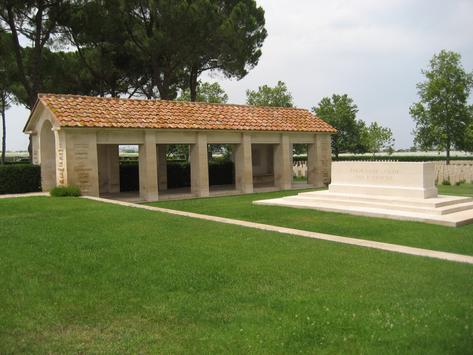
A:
458,170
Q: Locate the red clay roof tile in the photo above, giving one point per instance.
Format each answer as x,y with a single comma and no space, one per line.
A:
87,111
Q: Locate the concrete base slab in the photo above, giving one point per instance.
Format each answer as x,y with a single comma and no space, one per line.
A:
452,211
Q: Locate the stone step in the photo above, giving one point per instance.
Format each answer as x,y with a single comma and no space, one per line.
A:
436,202
321,201
386,205
455,219
457,208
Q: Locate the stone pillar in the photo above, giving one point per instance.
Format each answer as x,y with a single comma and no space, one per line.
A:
326,157
109,168
61,158
312,170
35,159
199,166
148,168
282,163
47,150
162,167
81,161
319,160
243,165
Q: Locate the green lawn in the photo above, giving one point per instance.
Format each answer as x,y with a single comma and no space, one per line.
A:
458,240
79,276
462,189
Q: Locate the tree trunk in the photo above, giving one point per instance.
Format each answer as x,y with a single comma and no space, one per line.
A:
448,151
193,83
4,129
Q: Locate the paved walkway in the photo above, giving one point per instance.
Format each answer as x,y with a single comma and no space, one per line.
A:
28,194
301,233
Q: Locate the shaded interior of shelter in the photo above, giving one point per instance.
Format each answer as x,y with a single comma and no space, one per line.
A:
119,177
262,156
300,174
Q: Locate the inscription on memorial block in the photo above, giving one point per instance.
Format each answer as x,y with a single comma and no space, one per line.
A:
60,167
81,167
389,178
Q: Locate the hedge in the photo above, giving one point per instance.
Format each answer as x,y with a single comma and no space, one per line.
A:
178,174
19,178
65,191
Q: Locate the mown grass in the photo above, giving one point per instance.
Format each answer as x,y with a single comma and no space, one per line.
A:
84,277
458,240
461,190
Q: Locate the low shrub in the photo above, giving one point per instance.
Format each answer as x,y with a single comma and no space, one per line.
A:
460,182
19,178
63,191
446,182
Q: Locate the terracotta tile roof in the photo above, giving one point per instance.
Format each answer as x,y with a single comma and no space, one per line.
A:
87,111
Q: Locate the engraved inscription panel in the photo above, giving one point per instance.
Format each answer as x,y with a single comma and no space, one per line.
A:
81,167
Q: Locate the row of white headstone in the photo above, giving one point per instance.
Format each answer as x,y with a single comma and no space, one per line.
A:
458,171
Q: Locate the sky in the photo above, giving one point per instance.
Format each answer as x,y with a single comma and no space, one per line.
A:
371,50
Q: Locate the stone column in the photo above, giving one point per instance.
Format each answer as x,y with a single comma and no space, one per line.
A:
109,167
199,166
319,160
162,167
326,154
61,159
283,163
243,165
148,168
312,170
35,159
81,161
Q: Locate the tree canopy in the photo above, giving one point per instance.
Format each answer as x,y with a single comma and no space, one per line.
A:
206,92
278,96
377,138
442,115
177,40
340,111
150,48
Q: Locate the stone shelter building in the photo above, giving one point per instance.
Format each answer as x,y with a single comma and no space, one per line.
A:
76,141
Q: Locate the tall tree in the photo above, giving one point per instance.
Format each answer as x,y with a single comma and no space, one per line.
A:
225,35
5,101
206,92
156,33
377,138
442,115
96,29
278,96
177,40
8,83
35,21
340,111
